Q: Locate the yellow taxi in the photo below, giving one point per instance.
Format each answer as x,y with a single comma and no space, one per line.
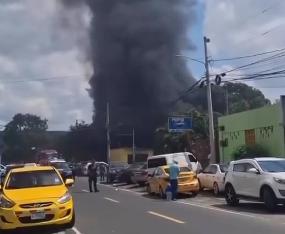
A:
33,196
159,181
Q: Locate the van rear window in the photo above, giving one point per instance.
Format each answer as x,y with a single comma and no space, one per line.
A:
192,158
156,162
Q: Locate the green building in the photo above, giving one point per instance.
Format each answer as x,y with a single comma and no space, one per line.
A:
264,126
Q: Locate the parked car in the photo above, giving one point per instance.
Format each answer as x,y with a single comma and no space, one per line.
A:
126,175
114,172
261,179
184,159
63,168
2,172
159,181
140,175
84,168
2,169
213,178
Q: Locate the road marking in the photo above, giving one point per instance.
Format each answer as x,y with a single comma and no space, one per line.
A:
217,209
85,191
76,230
111,200
166,217
121,189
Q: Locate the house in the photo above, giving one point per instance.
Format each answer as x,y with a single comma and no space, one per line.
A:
263,126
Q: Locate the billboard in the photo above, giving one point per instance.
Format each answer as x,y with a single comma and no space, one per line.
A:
179,124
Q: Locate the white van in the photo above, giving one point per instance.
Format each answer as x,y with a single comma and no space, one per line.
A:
184,159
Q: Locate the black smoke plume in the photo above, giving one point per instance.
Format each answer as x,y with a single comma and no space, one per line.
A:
133,48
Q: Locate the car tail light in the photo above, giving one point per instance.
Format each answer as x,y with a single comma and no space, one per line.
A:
145,173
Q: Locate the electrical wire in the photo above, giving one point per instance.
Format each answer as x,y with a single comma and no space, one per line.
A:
279,55
191,88
55,78
247,56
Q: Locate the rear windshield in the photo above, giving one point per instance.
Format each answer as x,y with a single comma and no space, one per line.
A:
192,158
182,169
224,168
156,162
31,179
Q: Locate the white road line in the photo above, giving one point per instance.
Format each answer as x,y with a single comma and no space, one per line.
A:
121,189
217,209
76,230
166,217
111,200
85,191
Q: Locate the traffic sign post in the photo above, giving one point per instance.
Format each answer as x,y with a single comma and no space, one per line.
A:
179,124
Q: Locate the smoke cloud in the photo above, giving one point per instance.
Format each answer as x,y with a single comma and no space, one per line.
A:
133,45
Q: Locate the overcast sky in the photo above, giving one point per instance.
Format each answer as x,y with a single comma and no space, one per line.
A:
37,43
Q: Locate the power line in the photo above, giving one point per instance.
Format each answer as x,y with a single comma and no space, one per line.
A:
191,88
282,54
41,79
247,56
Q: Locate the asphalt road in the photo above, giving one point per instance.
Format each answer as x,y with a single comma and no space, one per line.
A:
125,210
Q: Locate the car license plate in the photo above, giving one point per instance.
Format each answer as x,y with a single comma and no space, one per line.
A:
38,215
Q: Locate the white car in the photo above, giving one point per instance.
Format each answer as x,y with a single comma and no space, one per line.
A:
262,179
213,178
2,169
184,159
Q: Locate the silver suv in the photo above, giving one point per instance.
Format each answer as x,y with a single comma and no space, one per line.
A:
261,179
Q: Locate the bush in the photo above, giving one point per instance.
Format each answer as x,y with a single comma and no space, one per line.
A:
250,151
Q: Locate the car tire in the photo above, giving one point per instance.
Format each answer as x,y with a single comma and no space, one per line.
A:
141,184
200,186
71,224
148,190
230,196
216,189
161,193
193,194
269,199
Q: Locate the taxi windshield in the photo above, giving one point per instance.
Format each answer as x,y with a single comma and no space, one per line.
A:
31,179
60,165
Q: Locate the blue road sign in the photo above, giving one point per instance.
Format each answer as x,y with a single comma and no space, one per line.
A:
179,124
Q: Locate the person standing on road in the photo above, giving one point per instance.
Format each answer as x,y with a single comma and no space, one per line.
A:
92,177
174,172
102,173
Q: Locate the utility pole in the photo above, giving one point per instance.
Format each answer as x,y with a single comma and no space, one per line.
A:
134,147
227,100
210,105
108,134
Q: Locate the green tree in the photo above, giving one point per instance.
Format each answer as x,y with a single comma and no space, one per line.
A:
79,144
241,97
23,133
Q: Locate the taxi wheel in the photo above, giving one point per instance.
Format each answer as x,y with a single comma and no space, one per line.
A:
148,189
216,189
161,193
71,223
200,186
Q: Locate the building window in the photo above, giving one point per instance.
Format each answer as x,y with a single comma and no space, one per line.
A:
250,137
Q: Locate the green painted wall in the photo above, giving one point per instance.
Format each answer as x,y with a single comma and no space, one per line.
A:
267,123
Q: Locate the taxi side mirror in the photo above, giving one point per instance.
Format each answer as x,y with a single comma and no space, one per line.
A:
69,182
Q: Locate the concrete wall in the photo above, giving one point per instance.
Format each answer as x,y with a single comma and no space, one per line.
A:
267,123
